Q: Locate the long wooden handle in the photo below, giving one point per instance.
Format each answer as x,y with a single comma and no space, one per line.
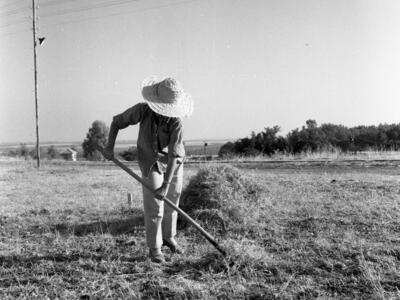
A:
208,236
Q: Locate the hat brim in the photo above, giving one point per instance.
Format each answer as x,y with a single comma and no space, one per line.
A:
182,107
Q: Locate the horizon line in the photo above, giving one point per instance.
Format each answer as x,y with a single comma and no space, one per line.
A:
120,141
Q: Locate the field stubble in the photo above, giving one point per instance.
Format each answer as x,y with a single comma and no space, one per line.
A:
321,233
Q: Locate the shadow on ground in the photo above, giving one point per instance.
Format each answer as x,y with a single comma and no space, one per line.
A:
61,265
116,226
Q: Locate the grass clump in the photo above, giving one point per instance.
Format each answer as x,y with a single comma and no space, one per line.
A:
220,196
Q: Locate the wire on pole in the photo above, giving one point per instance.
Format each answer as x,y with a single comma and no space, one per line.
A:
14,12
126,12
20,21
10,4
88,8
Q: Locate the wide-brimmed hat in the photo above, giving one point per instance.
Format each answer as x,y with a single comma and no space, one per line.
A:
167,97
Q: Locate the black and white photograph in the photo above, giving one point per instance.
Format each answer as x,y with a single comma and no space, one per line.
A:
200,149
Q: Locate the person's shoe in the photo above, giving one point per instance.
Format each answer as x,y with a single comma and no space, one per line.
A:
173,246
156,256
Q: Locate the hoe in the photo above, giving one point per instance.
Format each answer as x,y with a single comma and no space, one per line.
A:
208,236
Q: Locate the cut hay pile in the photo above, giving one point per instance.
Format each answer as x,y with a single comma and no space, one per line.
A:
220,197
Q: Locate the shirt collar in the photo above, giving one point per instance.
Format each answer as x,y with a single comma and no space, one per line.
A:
163,119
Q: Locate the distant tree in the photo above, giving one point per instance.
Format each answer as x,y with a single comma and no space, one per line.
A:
226,150
296,141
312,137
269,140
242,146
265,142
257,141
130,154
97,134
366,137
250,151
315,137
309,138
311,124
393,136
281,144
23,150
52,152
33,153
337,136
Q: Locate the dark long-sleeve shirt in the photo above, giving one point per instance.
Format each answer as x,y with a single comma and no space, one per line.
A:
156,142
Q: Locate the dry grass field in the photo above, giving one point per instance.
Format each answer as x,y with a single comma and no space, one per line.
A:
317,232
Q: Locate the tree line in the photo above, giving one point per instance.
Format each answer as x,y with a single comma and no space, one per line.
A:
310,138
314,138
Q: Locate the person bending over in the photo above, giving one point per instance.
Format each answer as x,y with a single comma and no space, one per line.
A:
160,156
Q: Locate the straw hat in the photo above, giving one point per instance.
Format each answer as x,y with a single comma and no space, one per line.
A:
167,97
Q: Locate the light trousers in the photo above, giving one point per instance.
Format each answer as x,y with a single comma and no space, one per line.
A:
159,218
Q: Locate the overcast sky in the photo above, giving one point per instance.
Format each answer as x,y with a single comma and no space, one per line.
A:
247,63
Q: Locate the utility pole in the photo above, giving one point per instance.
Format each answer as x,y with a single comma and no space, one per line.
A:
36,84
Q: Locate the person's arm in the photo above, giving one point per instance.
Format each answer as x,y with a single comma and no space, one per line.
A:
176,152
112,136
171,167
169,173
131,116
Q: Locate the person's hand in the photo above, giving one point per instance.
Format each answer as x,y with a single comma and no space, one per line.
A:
162,191
108,153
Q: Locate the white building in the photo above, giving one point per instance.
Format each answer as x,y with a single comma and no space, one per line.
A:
69,154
